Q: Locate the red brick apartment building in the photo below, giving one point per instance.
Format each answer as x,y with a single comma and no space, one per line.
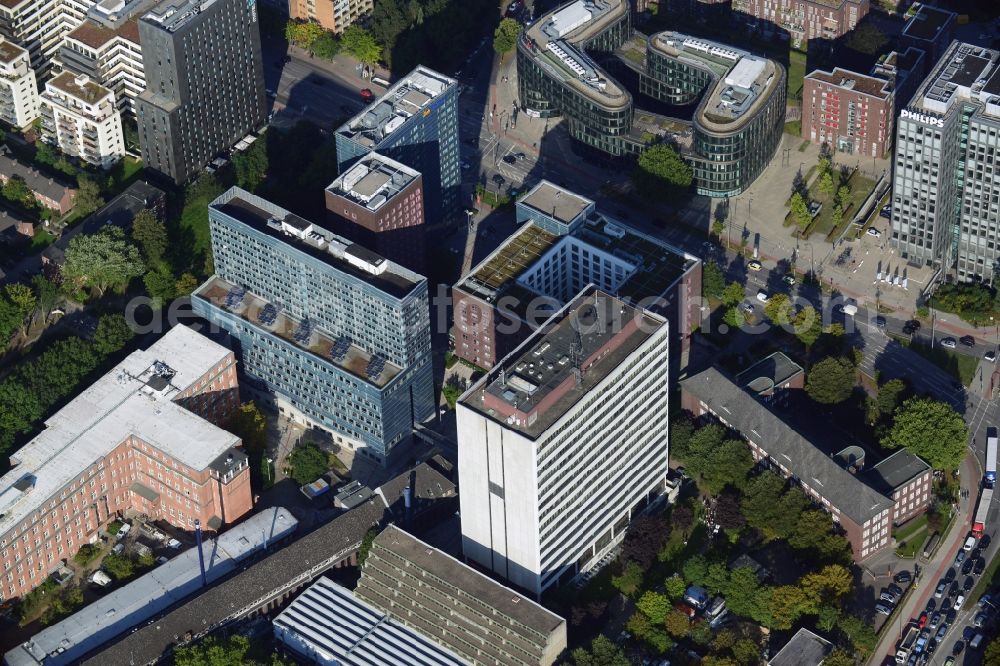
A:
867,504
143,440
802,19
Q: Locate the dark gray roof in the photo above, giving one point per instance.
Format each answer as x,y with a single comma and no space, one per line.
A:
211,608
897,470
804,649
428,486
786,446
119,212
771,371
927,22
444,567
38,182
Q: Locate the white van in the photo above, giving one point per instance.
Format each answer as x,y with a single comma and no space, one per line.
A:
970,543
974,643
959,600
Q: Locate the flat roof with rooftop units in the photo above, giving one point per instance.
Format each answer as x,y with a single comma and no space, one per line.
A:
743,81
966,72
406,98
927,22
561,362
373,181
556,202
556,43
9,51
80,87
174,14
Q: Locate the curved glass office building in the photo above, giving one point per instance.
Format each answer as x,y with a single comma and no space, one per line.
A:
737,123
556,76
741,115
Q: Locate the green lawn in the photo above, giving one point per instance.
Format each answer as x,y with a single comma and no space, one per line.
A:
796,73
41,240
194,220
823,224
916,525
960,366
793,127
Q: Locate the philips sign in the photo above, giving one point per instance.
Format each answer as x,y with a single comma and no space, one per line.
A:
921,118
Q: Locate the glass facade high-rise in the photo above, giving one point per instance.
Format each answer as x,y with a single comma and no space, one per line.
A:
338,335
204,82
946,186
416,123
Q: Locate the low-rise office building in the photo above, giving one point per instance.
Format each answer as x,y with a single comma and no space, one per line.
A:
18,87
457,607
565,243
141,439
105,48
50,192
378,203
334,335
865,506
540,502
945,182
802,20
79,116
331,626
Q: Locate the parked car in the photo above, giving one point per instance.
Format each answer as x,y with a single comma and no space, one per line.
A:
935,621
939,592
911,327
895,589
366,94
788,279
883,609
880,321
162,559
118,549
980,619
498,179
979,566
957,648
949,343
967,566
888,597
942,630
968,633
886,211
509,159
122,531
174,544
960,557
969,583
872,231
922,620
762,296
519,156
903,577
990,356
99,578
754,265
959,601
984,541
748,308
967,340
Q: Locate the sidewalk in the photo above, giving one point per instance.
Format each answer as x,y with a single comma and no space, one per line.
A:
932,572
343,67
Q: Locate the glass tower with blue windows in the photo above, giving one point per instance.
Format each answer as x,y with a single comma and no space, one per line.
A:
336,335
415,122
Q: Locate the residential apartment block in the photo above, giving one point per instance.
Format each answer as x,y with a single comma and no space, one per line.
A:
80,117
331,626
40,25
18,87
565,243
333,15
54,194
140,440
457,607
379,203
803,20
856,113
866,506
204,82
564,441
335,335
415,122
946,187
105,47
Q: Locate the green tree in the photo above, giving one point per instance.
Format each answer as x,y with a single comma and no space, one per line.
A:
733,294
212,651
678,623
867,38
326,46
47,294
831,381
303,33
307,462
747,653
654,635
602,652
151,235
366,545
361,44
826,184
839,657
113,332
813,525
675,587
186,284
22,297
16,190
662,172
251,166
505,36
860,633
843,194
889,397
695,570
808,326
771,507
931,430
741,592
88,196
992,655
800,210
103,260
787,604
250,425
629,581
654,605
733,318
713,281
728,465
837,216
160,284
826,587
778,309
118,566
